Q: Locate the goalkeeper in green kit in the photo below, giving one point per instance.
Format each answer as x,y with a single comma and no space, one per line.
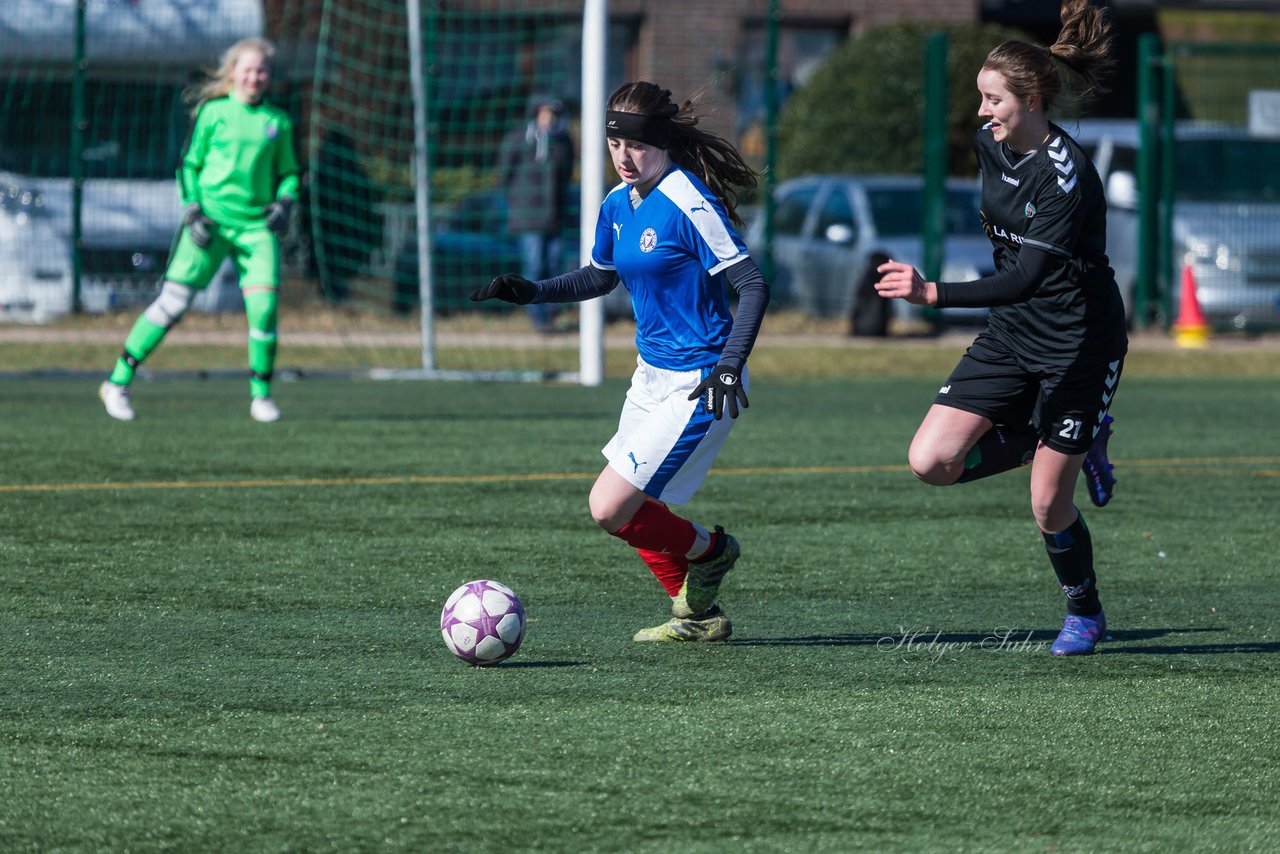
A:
238,180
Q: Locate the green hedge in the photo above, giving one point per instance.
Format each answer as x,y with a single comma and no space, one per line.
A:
863,109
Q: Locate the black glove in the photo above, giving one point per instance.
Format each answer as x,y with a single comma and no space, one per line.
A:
199,226
508,287
278,216
723,389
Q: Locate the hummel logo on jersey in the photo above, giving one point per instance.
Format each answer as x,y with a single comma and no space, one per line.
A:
1061,157
1014,181
634,462
617,231
946,389
701,207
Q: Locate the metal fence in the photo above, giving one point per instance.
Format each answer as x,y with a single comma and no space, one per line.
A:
1198,185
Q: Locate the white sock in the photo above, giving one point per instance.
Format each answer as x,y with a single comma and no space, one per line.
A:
701,541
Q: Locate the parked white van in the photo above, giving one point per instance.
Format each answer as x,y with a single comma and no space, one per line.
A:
141,55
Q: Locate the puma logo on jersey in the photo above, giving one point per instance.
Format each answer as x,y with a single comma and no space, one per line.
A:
701,207
617,231
634,462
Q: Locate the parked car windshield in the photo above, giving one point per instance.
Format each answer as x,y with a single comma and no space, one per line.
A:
898,211
1235,170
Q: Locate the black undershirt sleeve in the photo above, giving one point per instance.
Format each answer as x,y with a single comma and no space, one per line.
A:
582,284
1003,288
745,278
753,298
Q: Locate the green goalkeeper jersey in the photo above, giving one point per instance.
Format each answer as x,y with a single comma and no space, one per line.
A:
239,159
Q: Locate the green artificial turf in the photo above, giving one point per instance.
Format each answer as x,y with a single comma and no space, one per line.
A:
223,636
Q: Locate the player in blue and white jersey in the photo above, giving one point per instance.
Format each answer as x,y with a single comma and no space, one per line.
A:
1036,385
668,234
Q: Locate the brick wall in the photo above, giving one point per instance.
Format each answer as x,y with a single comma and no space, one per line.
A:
687,45
683,45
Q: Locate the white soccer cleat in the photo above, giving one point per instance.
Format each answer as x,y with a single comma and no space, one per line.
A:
264,409
116,399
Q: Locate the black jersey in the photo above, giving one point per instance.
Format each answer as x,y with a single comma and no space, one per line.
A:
1052,200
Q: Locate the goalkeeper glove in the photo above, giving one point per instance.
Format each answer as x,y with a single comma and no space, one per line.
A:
508,287
722,390
199,226
278,216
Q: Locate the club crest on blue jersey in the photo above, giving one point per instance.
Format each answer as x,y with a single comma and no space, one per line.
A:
648,240
1029,210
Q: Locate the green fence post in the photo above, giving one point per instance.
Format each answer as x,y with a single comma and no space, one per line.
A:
1148,111
1168,188
772,23
78,126
933,204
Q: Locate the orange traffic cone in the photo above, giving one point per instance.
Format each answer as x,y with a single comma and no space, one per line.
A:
1191,329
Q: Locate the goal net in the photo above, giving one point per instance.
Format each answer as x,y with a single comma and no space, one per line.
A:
409,108
401,108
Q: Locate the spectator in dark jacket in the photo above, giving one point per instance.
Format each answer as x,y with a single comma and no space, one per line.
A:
535,168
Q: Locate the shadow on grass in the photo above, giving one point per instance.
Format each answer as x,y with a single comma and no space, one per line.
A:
928,639
467,417
509,664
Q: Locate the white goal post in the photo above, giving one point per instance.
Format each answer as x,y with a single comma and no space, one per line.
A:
591,145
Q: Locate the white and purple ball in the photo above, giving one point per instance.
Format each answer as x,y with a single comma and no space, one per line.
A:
483,622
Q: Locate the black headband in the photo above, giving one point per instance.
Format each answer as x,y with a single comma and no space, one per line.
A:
651,130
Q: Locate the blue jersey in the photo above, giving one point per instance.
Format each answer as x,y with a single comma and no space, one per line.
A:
670,253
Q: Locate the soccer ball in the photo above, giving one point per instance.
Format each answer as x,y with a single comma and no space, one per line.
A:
483,622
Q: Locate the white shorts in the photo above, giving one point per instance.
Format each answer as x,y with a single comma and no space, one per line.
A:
665,442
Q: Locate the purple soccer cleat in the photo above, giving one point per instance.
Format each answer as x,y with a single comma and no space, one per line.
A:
1080,635
1097,468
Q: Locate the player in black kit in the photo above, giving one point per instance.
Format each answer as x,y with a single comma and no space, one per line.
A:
1036,384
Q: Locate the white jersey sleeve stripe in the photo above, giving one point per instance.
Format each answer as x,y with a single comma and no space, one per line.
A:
724,265
684,195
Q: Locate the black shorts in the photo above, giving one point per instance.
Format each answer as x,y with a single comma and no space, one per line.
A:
1065,404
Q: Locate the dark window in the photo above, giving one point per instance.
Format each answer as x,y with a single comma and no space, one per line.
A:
134,129
899,212
1238,170
791,211
835,210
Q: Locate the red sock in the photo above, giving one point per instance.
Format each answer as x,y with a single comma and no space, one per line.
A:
655,528
669,569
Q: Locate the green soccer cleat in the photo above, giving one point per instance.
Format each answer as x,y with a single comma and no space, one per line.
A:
702,583
708,627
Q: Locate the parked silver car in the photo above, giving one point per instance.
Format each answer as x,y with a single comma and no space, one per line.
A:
829,228
1226,215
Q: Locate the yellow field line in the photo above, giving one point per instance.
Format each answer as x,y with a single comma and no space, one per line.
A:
1173,467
